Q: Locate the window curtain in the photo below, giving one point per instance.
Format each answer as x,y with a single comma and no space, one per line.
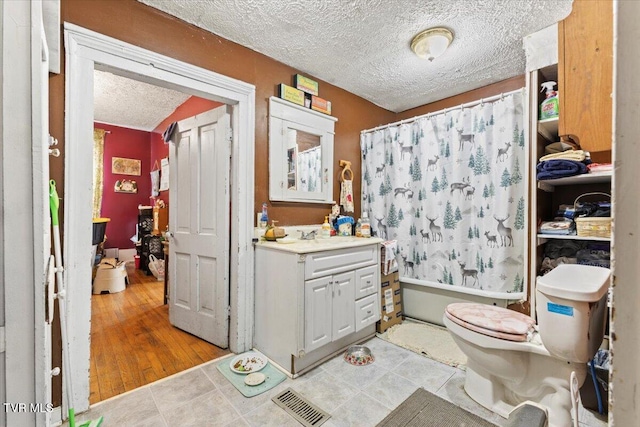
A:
450,188
98,170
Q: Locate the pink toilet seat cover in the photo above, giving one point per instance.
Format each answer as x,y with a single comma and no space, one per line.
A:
490,320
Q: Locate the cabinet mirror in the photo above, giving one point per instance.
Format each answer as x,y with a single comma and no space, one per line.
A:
300,153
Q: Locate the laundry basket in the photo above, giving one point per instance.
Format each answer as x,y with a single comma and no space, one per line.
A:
592,226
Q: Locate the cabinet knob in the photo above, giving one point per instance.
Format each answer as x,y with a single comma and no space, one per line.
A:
368,311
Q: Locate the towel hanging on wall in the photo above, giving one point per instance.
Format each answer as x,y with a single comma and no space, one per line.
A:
346,186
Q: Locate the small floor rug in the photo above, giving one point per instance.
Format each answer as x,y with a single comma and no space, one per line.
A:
423,409
432,341
274,377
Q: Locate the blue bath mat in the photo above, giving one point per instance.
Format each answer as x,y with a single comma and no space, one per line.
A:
272,374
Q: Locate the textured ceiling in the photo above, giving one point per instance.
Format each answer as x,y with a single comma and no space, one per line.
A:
363,45
132,104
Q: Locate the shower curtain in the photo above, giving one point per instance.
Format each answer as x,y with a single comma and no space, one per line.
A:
310,169
450,188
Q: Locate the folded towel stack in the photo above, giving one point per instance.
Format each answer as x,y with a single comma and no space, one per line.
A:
559,168
577,155
559,226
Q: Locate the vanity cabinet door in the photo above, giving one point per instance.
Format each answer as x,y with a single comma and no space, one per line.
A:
317,313
343,310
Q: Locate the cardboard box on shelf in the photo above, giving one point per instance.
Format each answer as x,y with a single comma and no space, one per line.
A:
321,105
291,94
305,84
390,301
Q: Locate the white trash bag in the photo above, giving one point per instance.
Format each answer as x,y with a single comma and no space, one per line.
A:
157,267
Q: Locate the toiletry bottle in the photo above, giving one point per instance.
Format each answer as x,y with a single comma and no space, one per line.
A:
550,106
365,225
359,228
326,228
264,218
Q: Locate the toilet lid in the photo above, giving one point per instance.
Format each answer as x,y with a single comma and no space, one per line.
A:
490,320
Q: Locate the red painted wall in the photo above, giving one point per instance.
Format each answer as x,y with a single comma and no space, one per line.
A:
149,148
159,150
122,208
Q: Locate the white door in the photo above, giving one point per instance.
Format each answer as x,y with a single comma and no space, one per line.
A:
317,313
199,206
343,309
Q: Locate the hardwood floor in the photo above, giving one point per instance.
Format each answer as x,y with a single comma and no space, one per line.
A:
133,343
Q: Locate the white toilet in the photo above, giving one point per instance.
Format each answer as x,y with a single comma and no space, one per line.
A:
512,360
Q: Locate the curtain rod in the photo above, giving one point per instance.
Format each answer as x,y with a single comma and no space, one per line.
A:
461,106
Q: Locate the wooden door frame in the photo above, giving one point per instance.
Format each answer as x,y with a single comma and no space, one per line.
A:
84,50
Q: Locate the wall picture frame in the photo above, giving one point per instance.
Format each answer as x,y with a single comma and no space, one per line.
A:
125,186
124,166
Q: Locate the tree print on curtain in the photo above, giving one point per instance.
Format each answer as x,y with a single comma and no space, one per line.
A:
450,189
310,169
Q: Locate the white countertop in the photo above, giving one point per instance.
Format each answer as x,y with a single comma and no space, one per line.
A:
317,245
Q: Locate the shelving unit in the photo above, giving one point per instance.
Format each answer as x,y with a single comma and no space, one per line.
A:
549,185
547,195
542,238
548,128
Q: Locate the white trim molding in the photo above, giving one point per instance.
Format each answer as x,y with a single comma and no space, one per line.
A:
86,51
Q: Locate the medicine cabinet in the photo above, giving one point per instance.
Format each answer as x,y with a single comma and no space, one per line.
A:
300,153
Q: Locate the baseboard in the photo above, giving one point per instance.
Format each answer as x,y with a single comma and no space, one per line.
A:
126,254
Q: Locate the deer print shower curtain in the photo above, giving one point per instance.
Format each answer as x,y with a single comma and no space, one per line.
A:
450,189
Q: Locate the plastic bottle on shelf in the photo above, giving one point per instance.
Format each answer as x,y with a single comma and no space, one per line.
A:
365,225
550,106
359,228
264,218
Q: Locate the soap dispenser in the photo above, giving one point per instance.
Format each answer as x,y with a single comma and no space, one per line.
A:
326,228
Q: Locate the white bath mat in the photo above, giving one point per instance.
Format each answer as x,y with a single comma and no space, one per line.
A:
432,341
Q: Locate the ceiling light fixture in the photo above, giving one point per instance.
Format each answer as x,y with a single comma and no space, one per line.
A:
431,43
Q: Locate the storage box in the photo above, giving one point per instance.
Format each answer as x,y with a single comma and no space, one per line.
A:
99,228
388,262
390,302
321,105
305,84
291,94
593,226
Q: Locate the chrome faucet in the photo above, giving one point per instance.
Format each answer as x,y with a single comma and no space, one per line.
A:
308,236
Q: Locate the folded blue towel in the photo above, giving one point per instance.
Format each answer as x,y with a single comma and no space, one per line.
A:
558,168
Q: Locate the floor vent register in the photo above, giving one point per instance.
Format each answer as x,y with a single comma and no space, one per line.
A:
300,408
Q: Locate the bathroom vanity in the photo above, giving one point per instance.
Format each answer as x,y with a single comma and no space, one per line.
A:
314,298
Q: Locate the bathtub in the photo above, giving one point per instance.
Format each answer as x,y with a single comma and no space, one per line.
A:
427,301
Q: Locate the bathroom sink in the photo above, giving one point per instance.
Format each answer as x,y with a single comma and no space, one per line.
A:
339,239
292,244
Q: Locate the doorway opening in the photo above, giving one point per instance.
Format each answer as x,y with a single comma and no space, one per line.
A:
86,51
133,341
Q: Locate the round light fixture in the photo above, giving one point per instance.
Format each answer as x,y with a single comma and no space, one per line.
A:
431,43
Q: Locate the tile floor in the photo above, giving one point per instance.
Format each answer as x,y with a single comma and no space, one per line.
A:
354,396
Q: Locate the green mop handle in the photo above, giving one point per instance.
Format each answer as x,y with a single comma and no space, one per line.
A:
54,202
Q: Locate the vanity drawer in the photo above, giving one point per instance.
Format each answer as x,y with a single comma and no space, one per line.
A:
367,281
325,263
367,311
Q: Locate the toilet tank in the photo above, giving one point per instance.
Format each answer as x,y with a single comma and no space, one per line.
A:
571,302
